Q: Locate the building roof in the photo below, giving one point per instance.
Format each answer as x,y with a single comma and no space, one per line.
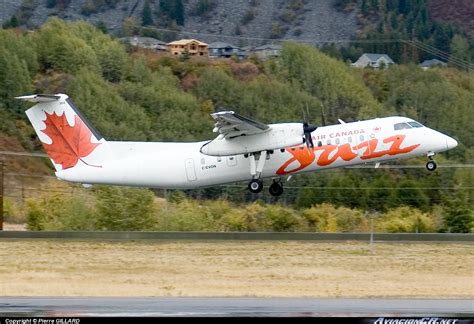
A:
187,41
221,45
144,40
268,47
149,40
374,57
433,62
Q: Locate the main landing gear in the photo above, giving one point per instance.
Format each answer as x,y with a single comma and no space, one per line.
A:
431,164
276,188
257,162
255,185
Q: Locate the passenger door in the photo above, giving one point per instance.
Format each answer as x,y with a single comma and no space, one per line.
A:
190,170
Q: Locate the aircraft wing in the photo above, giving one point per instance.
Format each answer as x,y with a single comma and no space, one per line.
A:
229,125
241,135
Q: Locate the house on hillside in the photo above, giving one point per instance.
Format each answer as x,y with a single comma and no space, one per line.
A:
191,47
146,42
224,50
372,60
431,63
267,51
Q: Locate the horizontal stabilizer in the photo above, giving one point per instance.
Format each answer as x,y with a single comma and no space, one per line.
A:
39,98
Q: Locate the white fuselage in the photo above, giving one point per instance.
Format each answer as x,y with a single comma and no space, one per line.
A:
183,166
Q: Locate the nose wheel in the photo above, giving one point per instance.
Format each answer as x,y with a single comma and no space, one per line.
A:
431,165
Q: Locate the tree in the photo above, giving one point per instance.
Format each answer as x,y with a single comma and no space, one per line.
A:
129,26
174,10
102,27
458,218
147,15
60,49
12,23
459,49
14,79
113,60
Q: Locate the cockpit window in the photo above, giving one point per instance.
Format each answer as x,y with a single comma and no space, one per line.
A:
415,124
401,126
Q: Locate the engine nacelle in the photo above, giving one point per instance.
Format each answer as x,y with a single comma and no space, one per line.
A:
276,137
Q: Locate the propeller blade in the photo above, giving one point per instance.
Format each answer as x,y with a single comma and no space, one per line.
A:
307,129
323,118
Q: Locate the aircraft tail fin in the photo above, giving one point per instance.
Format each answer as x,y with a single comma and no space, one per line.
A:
67,136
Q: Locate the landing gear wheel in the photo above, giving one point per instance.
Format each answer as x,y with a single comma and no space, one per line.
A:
431,165
276,189
255,185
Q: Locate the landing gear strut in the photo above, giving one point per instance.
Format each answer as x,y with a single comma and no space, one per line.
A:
431,164
276,188
257,162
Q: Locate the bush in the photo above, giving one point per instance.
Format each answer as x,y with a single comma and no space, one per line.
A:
13,213
328,218
406,220
282,219
187,215
125,209
60,212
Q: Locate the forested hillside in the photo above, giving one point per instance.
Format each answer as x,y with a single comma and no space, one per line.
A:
434,28
133,94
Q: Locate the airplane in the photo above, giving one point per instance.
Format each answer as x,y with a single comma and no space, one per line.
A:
244,149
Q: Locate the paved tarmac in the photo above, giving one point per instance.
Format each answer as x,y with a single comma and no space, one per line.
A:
210,307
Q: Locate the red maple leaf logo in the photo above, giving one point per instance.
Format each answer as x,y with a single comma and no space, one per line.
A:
70,144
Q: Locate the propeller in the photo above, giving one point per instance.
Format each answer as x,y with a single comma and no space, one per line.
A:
308,129
323,118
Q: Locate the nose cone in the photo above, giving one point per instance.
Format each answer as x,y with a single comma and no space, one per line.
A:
451,143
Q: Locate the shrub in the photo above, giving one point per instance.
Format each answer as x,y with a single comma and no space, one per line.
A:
125,209
282,219
406,219
61,212
328,218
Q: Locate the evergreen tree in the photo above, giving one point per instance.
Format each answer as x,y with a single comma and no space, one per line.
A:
179,12
147,15
174,10
458,218
460,48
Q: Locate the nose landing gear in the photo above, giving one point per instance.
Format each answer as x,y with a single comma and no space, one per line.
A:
431,164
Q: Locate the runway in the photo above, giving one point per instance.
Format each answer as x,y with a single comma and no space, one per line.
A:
212,307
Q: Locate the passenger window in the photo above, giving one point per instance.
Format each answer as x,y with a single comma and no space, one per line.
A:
361,137
349,139
219,159
401,126
320,143
415,124
329,142
337,141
